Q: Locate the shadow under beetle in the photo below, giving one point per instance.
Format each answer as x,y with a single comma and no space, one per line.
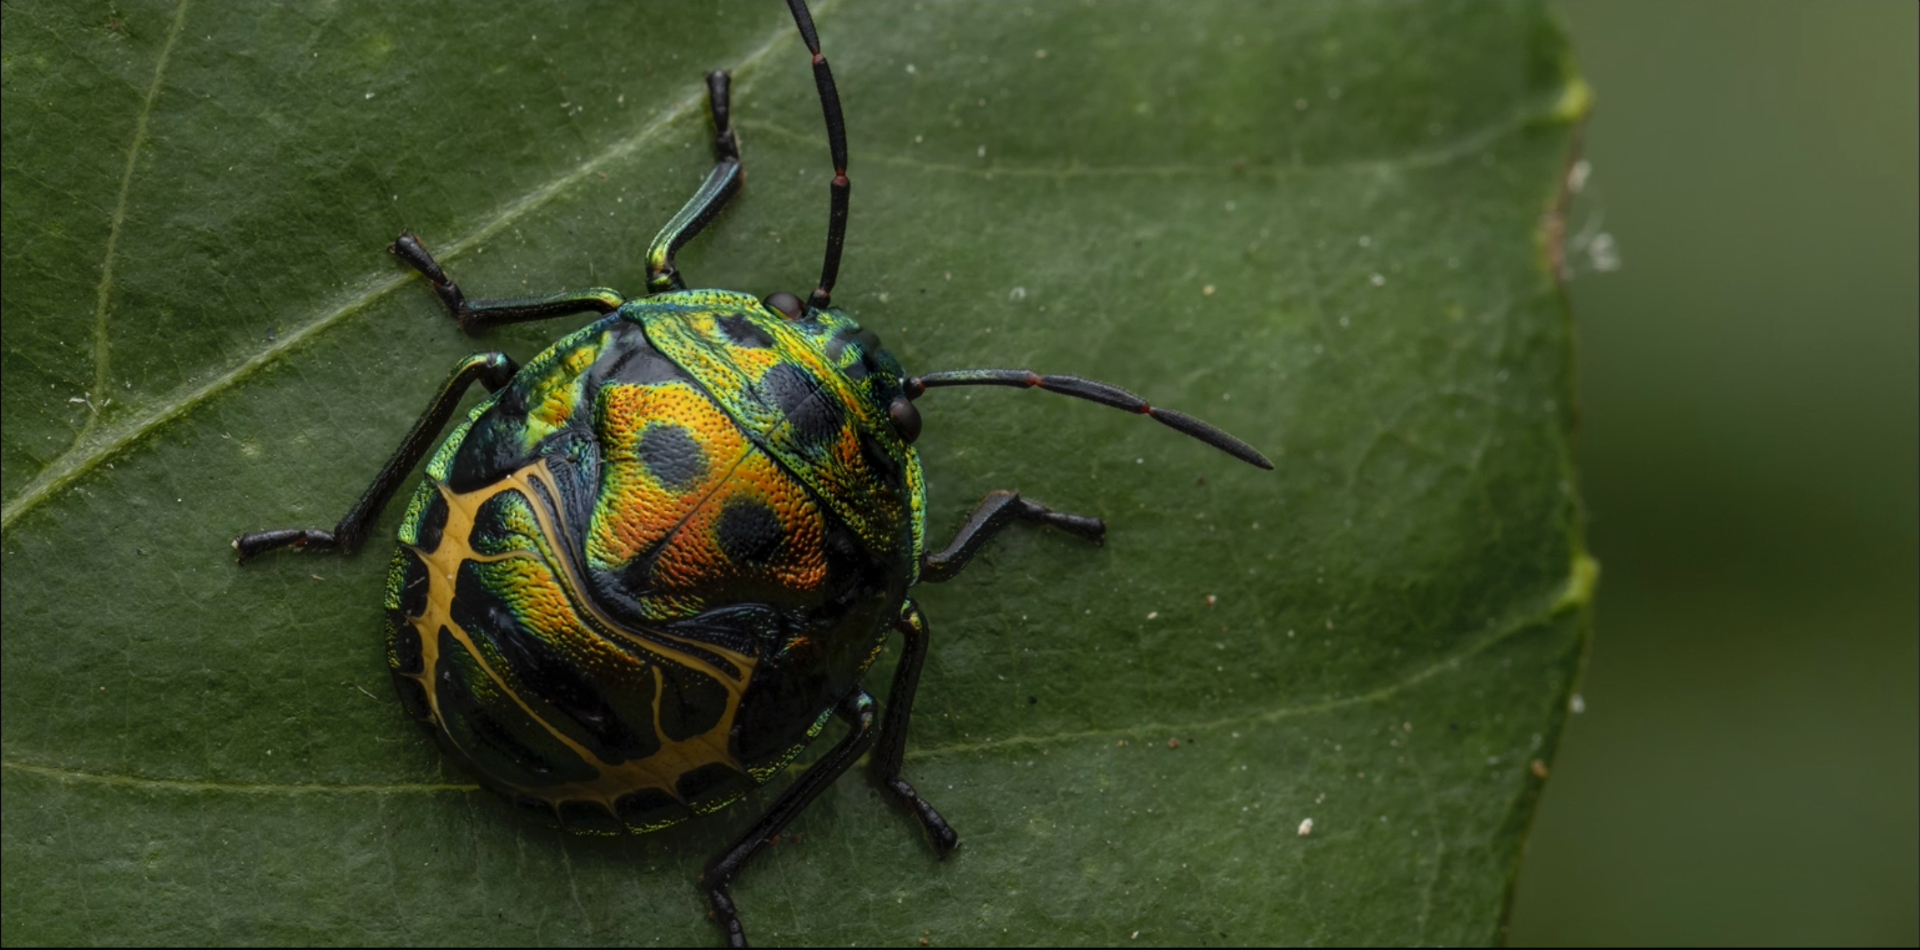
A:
646,571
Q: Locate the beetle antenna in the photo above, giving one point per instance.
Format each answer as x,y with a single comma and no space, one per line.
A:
1091,390
822,295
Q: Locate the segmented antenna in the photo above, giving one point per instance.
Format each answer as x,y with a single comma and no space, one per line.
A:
822,295
1091,390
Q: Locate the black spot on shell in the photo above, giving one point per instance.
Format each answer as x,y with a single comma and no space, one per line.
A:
672,454
433,522
788,386
838,343
813,413
753,629
405,641
629,358
879,462
818,421
705,780
413,588
742,332
748,531
645,807
413,698
691,702
494,446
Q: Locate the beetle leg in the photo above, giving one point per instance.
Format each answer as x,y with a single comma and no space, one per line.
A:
857,710
996,511
720,185
891,748
476,315
492,370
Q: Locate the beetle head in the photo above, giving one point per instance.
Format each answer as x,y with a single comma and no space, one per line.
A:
856,352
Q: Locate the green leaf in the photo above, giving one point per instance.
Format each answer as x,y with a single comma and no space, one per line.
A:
1327,229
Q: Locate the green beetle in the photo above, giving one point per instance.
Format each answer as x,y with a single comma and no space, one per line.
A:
648,569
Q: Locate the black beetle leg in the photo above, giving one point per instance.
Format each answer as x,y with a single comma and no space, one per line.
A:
492,370
857,710
476,315
722,182
891,748
996,511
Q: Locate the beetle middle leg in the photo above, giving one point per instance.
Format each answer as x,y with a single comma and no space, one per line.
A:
996,511
857,710
492,370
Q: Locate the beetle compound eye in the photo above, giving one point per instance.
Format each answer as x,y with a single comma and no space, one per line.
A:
906,418
785,303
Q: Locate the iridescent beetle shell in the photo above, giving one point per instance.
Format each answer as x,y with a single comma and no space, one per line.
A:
637,579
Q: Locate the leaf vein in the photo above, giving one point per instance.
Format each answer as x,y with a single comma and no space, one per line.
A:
102,364
92,447
1574,595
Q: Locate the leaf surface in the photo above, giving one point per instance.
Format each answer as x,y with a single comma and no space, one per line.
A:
1327,229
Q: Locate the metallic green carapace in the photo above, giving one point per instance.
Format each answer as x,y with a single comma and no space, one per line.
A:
637,578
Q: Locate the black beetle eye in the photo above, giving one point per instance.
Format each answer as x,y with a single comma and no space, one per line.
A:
785,303
906,418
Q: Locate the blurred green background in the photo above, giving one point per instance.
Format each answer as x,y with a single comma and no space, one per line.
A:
1745,769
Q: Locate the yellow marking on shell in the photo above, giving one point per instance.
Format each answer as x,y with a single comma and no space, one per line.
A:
726,359
674,758
552,412
553,397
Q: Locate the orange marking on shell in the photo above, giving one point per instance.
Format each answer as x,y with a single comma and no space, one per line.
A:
695,560
635,509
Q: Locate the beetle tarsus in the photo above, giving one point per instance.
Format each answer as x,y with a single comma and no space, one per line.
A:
255,543
944,838
994,513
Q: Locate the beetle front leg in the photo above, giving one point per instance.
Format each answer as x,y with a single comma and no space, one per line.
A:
492,370
476,315
996,511
891,749
721,184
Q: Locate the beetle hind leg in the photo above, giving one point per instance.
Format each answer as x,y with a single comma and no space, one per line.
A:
890,750
857,710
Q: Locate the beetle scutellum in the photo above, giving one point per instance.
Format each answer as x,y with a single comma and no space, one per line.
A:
647,570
